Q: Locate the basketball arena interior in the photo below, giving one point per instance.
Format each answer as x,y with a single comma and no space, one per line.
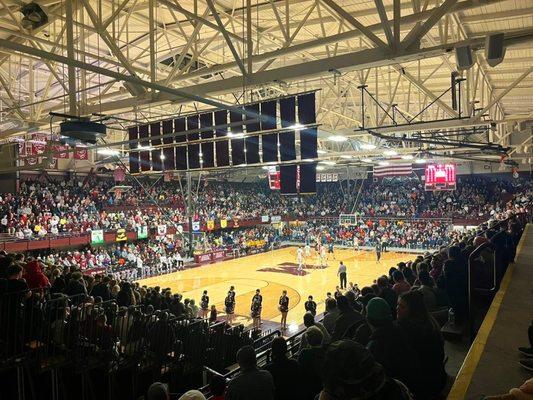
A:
266,199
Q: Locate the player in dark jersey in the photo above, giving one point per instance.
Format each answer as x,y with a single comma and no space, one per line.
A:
257,305
229,303
284,309
310,306
204,305
378,251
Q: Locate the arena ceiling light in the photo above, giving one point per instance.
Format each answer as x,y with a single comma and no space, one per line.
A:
108,152
328,162
296,126
367,160
346,156
383,163
338,138
390,152
320,168
319,151
145,148
420,161
407,157
367,146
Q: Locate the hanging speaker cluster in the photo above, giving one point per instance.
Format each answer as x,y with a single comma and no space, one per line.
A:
494,52
84,131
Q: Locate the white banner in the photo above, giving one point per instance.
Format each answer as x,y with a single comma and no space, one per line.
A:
275,218
264,218
161,230
196,226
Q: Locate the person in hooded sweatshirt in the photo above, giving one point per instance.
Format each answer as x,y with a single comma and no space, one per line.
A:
33,274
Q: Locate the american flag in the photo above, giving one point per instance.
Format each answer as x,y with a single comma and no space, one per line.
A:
399,169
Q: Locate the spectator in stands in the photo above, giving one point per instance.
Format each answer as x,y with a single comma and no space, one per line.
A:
426,287
387,294
311,360
13,283
102,289
76,285
456,278
331,315
125,296
350,372
347,321
389,344
400,284
424,335
284,371
33,274
251,383
309,321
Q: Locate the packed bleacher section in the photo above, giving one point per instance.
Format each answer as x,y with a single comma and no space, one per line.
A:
104,332
48,207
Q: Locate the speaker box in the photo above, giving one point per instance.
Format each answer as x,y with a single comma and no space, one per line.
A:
463,58
494,49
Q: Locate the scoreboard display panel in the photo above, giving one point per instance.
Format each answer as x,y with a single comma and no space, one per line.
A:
440,177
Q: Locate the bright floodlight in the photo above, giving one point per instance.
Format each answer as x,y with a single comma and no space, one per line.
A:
338,138
420,161
367,160
384,163
368,146
407,157
108,152
390,152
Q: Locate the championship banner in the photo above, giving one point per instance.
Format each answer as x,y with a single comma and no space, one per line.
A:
119,175
210,225
22,148
196,226
161,230
235,223
52,164
30,161
60,151
81,153
97,236
264,218
223,223
142,232
121,235
38,144
275,218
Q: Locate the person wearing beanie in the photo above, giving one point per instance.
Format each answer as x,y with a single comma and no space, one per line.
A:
390,345
351,372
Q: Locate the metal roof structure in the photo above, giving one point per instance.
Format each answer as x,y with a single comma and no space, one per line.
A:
146,60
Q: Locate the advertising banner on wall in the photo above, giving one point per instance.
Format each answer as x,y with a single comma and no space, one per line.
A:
196,226
223,223
210,225
161,230
97,236
264,218
275,218
121,235
142,232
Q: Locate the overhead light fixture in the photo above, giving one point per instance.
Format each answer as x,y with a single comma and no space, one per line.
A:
320,168
308,159
162,157
367,160
346,156
147,148
420,161
383,163
108,152
367,146
390,152
338,138
296,126
34,16
319,151
407,157
328,162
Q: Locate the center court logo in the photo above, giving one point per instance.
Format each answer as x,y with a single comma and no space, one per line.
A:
290,268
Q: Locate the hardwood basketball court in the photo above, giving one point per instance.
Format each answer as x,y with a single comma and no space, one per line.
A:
273,272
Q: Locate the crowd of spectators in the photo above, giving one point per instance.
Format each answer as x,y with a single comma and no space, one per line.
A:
381,342
42,208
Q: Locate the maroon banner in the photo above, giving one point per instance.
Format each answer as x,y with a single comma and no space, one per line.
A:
38,144
60,151
81,153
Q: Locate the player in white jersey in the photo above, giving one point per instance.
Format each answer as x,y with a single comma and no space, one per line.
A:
356,243
300,258
323,256
307,250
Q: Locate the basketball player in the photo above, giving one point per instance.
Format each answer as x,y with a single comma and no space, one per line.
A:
323,256
139,262
300,258
204,305
356,243
178,260
229,303
162,263
284,309
342,275
257,305
378,251
330,249
310,306
307,250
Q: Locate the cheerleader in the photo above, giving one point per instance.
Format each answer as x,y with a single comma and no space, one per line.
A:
257,305
284,309
204,305
229,303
